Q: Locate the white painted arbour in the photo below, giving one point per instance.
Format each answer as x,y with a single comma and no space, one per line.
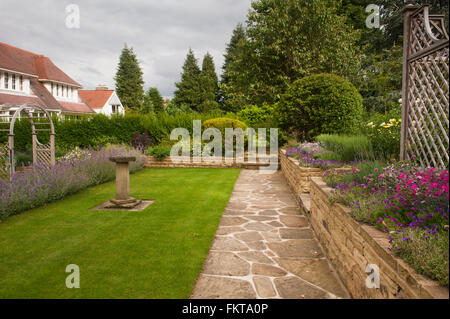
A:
41,121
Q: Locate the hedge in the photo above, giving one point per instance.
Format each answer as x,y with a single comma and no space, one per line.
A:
99,129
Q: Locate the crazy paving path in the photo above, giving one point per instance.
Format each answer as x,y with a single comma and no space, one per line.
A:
265,248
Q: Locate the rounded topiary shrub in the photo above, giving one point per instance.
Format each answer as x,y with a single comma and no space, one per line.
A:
320,104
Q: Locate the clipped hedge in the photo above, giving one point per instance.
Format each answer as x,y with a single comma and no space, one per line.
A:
321,103
99,129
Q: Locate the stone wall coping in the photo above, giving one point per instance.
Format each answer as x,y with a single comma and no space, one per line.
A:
379,241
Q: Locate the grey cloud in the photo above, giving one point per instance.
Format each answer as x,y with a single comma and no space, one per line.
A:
160,32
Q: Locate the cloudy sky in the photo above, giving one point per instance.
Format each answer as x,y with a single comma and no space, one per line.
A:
160,32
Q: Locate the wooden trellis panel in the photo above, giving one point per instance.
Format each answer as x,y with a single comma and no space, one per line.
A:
425,125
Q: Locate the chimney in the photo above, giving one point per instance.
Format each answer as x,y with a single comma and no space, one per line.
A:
101,87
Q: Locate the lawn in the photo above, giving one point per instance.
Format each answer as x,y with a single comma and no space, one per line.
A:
156,253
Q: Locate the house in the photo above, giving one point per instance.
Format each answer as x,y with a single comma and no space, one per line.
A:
27,77
102,100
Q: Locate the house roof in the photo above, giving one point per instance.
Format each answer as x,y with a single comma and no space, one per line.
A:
35,65
71,107
96,99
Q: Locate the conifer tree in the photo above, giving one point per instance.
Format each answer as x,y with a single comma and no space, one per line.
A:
226,96
153,101
208,84
129,81
188,91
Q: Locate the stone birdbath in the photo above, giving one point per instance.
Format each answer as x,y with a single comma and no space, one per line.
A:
123,199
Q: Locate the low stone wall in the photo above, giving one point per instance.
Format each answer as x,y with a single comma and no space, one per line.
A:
299,178
189,162
351,246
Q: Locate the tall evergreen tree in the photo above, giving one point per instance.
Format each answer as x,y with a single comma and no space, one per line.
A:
232,53
129,81
188,90
153,101
208,84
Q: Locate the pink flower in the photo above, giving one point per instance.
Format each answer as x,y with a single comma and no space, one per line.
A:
414,187
401,176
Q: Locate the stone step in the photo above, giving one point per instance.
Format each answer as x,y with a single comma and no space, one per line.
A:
305,200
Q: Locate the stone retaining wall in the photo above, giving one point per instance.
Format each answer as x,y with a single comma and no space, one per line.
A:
299,178
351,246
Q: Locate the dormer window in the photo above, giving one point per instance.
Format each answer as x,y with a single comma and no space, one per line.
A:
6,80
13,81
21,82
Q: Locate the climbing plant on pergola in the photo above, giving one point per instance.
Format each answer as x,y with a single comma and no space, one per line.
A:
43,154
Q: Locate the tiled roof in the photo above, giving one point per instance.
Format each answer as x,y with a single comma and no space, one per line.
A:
96,99
70,107
15,59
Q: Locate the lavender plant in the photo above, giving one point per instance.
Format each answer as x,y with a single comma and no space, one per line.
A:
71,174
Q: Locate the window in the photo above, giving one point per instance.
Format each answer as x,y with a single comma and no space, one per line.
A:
6,80
21,82
57,89
13,81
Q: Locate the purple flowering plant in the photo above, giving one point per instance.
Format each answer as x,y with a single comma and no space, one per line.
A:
78,170
409,203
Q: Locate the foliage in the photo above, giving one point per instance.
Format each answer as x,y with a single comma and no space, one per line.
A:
254,115
231,100
381,80
98,130
188,90
307,155
153,101
141,141
221,124
322,103
129,81
407,202
385,138
349,148
286,41
77,171
159,152
208,85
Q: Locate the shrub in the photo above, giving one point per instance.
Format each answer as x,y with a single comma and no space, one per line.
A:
348,148
383,131
141,141
322,103
254,115
159,152
221,124
80,169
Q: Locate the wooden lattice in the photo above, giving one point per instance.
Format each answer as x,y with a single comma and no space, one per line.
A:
425,125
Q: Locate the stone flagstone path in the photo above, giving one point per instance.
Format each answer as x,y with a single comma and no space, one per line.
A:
264,247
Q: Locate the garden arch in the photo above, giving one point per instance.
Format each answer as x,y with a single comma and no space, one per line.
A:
425,95
41,121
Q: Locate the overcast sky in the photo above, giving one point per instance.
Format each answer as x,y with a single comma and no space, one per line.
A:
160,32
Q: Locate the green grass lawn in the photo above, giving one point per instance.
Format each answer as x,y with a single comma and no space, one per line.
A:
156,253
